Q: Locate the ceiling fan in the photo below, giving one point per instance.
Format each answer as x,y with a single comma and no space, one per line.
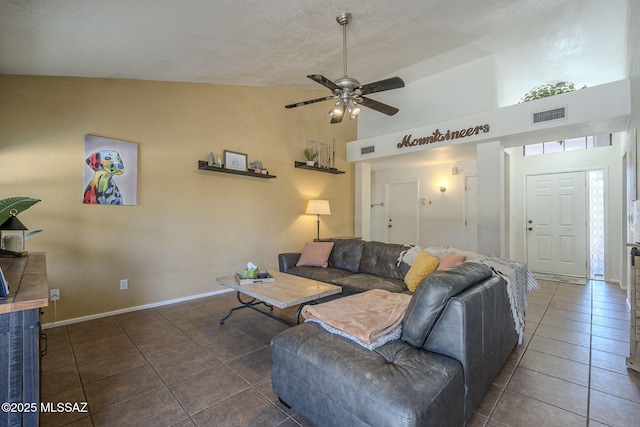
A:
348,91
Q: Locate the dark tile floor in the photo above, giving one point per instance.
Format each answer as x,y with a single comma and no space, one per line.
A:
176,365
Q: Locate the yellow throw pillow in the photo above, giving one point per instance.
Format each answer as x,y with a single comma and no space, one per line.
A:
424,265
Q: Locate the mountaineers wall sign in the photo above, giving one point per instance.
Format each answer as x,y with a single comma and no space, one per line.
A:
438,136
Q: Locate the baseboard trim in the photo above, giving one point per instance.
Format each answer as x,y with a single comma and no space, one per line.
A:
130,309
552,277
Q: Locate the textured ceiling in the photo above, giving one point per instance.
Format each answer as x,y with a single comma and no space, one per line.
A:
247,42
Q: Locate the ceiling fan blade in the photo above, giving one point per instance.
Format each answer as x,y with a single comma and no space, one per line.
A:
382,85
324,81
311,101
378,106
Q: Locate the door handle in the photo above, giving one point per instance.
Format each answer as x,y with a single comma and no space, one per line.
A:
529,228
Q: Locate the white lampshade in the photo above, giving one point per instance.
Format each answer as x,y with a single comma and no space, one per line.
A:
318,207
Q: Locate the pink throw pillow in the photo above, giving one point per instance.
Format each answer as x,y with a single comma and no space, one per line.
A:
315,254
451,259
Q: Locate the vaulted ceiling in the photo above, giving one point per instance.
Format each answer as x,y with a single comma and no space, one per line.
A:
254,42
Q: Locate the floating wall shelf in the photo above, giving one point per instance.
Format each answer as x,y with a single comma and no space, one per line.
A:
303,165
202,165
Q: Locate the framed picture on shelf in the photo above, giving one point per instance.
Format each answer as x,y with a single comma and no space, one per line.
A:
235,161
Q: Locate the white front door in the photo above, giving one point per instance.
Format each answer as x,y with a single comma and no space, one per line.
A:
402,212
556,226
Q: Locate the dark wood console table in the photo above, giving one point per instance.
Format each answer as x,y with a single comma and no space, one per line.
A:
20,337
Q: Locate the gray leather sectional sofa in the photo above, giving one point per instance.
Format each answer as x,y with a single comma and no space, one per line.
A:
456,335
356,265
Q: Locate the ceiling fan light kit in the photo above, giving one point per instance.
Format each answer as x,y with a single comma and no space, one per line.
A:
348,91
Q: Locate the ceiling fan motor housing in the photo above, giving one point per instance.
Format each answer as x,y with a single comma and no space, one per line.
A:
347,84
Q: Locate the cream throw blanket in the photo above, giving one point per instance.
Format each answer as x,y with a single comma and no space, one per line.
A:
366,316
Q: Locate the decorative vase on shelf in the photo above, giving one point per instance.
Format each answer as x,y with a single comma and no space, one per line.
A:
311,163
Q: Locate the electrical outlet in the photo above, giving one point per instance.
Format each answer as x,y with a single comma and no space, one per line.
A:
124,284
54,294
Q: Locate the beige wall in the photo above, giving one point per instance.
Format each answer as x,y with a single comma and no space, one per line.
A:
189,226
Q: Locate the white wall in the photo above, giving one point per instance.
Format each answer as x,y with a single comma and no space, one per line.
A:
583,42
441,217
453,98
608,158
458,92
633,55
590,111
491,199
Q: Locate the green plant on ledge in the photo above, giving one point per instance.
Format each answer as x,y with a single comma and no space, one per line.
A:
256,164
310,154
547,90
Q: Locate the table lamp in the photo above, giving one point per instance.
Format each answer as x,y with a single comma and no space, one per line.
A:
318,207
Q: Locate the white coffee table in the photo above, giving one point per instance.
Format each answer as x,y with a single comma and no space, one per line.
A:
287,290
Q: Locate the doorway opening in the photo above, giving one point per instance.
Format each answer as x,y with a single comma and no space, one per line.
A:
596,224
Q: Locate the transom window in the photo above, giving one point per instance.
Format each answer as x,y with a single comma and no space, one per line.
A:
582,143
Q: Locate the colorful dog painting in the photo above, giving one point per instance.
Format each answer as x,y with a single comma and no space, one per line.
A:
102,190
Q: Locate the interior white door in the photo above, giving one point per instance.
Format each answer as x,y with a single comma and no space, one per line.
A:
402,212
556,225
471,213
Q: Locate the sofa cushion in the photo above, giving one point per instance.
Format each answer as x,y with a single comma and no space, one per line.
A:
356,283
381,259
330,380
423,265
433,294
346,254
327,275
315,254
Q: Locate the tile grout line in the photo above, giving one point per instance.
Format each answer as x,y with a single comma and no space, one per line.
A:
223,363
189,416
75,363
504,389
590,284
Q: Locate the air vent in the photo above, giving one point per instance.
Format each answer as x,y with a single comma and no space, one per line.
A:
367,150
545,116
